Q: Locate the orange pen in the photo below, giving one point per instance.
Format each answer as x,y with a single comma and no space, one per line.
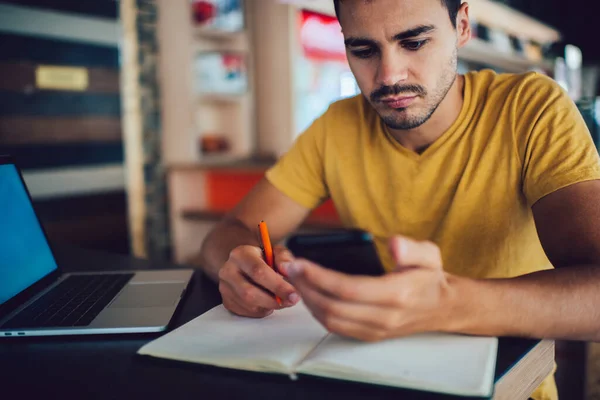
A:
267,248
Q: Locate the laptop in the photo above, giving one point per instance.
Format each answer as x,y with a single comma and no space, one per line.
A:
38,299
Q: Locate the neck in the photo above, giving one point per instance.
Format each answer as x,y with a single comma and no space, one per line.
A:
419,139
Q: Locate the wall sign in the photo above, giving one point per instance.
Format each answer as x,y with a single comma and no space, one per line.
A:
61,78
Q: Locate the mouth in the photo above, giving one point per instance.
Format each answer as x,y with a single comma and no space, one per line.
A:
399,102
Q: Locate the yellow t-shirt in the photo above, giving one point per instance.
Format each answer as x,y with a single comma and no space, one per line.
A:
517,139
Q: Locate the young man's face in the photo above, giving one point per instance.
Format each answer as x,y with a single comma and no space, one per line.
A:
403,54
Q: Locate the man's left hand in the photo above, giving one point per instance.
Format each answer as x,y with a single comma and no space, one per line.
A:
413,298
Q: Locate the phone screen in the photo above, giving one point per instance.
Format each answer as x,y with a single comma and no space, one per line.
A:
349,251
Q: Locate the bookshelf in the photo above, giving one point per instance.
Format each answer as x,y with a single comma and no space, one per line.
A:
255,121
481,52
190,111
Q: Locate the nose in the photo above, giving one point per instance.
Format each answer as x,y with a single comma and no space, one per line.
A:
393,69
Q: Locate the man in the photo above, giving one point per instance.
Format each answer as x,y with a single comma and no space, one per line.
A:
481,190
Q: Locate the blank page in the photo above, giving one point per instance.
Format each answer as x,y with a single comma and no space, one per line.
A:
272,344
452,364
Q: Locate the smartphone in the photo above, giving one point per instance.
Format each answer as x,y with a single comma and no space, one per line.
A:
349,251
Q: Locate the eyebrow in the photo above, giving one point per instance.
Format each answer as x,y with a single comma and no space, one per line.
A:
410,33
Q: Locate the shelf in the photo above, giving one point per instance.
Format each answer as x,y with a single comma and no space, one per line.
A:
76,181
221,98
320,6
480,51
312,221
219,159
507,19
211,33
255,163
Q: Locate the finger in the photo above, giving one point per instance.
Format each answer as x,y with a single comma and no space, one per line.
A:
263,275
239,309
252,312
412,253
249,294
325,308
357,289
241,287
355,330
233,304
282,255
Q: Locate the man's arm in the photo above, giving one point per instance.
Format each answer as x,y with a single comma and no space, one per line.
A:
421,297
238,228
562,303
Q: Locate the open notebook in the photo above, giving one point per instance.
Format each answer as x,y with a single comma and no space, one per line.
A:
292,342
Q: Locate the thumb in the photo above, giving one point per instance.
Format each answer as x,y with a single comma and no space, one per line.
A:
411,253
282,255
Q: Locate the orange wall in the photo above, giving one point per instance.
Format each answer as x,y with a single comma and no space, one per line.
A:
225,188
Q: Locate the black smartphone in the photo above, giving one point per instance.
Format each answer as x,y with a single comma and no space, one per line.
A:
348,251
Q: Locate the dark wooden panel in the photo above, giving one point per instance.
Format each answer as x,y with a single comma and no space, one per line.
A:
96,221
59,104
26,130
16,48
108,233
92,8
65,155
62,209
22,78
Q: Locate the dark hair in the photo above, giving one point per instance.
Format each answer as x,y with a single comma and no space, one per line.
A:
451,5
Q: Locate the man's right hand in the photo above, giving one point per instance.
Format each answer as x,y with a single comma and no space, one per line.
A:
248,285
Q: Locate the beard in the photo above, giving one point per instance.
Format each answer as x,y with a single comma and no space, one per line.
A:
401,118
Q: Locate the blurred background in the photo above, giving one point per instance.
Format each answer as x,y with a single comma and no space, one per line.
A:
139,123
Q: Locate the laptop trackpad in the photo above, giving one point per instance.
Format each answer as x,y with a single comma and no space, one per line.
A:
149,295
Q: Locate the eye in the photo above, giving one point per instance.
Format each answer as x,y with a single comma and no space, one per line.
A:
363,53
414,45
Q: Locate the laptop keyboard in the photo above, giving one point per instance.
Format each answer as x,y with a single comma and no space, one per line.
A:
76,301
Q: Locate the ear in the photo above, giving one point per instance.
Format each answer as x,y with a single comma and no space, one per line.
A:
463,25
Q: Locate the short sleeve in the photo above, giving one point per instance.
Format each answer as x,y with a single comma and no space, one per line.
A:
555,145
299,173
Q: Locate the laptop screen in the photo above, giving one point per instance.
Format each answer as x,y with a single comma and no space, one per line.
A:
25,256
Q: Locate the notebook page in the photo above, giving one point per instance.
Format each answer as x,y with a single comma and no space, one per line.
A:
276,343
452,364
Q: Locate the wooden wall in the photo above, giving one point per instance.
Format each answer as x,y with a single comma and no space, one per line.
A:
67,142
